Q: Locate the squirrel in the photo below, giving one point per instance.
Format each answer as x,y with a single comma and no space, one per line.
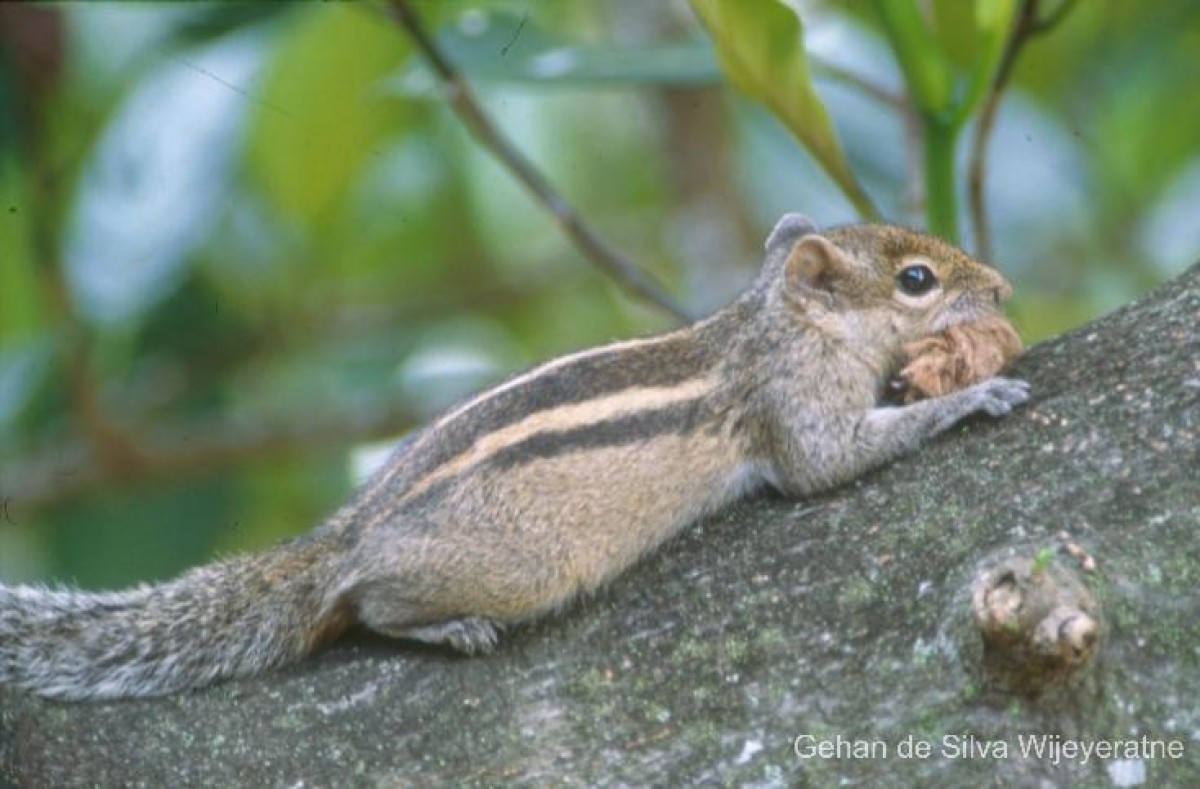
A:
546,486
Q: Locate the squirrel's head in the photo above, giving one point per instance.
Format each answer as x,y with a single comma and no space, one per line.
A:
883,285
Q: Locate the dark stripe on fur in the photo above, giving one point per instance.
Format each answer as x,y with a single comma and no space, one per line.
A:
659,364
681,418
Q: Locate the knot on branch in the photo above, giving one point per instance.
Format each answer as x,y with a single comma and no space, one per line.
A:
1040,624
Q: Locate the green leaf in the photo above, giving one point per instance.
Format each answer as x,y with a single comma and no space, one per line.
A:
991,15
760,45
321,112
20,297
953,28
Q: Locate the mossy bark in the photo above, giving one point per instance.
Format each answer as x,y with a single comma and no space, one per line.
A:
845,615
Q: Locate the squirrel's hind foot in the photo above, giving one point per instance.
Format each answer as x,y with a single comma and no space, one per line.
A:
471,635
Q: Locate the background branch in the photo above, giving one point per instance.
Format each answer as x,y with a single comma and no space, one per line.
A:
631,278
891,99
70,468
1027,26
103,451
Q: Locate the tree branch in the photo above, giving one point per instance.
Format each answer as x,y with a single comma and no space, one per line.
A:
635,281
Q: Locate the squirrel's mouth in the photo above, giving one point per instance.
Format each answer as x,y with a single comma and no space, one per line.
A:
967,307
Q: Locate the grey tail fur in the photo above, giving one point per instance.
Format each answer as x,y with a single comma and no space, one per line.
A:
232,618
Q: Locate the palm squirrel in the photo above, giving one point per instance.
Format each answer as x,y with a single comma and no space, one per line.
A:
552,483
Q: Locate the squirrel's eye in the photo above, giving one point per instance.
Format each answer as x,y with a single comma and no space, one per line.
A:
916,280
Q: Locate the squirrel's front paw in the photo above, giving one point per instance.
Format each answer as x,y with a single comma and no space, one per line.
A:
998,396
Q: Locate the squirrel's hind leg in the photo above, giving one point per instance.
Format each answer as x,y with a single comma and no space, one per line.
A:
398,608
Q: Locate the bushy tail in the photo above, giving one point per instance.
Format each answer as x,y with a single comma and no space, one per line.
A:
229,619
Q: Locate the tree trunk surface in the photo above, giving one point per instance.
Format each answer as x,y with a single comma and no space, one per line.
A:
774,630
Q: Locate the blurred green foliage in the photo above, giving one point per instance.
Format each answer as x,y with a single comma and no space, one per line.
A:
236,237
761,47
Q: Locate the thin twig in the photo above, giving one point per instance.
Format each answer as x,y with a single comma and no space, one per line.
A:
1026,26
900,104
896,101
629,276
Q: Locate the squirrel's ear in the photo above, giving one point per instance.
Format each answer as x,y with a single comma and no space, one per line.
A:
815,267
789,228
